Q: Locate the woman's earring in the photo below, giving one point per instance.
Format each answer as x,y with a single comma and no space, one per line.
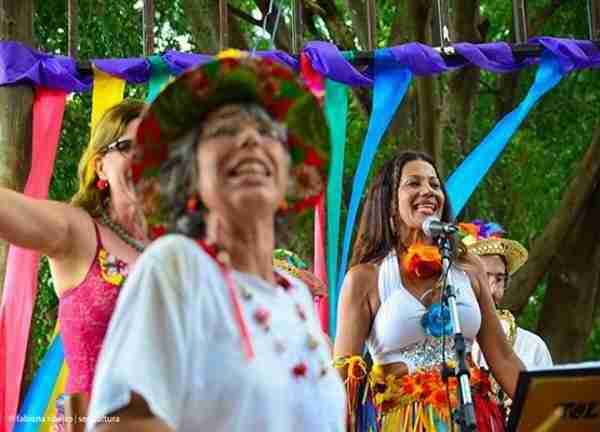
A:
102,184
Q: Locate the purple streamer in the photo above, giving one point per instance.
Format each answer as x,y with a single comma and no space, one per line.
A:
22,65
329,62
134,70
178,62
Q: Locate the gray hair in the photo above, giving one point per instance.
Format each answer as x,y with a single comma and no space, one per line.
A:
179,176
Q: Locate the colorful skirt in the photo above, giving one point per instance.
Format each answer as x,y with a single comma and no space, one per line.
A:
423,402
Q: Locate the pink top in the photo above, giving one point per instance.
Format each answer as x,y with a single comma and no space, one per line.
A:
84,313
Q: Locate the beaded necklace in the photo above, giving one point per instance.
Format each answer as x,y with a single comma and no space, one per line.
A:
121,232
262,315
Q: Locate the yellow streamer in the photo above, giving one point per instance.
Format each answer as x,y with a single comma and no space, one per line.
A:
356,372
107,92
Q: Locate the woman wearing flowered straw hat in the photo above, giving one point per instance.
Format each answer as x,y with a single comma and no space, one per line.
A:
391,302
501,259
207,336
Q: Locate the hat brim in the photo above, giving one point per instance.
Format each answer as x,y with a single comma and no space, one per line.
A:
514,253
185,102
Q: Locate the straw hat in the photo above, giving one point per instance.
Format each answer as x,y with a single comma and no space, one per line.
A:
484,238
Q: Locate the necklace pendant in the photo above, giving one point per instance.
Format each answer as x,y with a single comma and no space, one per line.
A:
280,346
313,342
246,293
263,317
300,311
300,370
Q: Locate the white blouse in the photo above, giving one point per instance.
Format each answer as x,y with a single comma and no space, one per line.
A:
173,340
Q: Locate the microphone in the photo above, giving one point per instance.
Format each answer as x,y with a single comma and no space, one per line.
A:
433,227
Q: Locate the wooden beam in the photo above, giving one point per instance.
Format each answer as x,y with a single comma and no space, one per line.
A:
297,27
148,24
594,19
73,31
520,21
223,25
371,25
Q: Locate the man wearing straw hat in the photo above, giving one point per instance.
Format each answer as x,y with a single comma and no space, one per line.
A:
501,259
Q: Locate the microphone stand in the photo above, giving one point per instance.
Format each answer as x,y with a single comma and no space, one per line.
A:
464,415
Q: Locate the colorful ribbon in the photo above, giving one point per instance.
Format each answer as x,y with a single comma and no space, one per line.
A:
37,408
464,180
336,113
20,284
107,92
159,78
390,86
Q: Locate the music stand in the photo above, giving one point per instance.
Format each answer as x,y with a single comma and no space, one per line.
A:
560,399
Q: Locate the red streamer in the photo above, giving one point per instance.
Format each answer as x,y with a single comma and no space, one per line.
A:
20,284
321,303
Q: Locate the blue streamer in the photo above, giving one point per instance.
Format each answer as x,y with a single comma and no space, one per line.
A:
390,86
464,180
38,395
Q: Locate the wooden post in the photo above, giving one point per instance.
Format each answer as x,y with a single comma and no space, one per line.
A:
72,32
594,19
148,24
223,25
297,27
16,103
371,25
520,21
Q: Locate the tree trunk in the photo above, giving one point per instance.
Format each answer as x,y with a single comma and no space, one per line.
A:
575,202
16,103
567,316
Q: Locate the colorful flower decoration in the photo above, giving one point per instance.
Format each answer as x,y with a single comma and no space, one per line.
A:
422,261
479,230
485,238
436,321
234,77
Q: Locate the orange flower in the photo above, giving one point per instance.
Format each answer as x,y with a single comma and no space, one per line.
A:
422,261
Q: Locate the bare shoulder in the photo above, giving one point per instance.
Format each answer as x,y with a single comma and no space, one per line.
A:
360,284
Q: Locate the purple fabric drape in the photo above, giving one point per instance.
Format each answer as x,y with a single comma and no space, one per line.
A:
326,59
134,71
22,65
178,62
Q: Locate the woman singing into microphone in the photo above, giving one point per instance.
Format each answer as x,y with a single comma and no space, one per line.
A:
391,301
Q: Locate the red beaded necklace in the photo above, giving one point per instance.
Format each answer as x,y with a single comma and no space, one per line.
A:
261,314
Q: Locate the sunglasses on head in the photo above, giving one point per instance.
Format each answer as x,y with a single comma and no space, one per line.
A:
122,145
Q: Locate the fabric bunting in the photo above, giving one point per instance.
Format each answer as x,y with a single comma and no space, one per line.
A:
35,407
108,91
464,180
20,64
159,78
320,265
336,112
20,284
390,86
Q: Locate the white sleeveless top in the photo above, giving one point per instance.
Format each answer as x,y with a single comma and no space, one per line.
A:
397,335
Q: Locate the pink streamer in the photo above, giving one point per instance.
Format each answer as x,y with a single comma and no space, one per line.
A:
321,303
20,284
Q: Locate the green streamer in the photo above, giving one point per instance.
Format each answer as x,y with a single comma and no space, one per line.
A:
159,78
336,113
